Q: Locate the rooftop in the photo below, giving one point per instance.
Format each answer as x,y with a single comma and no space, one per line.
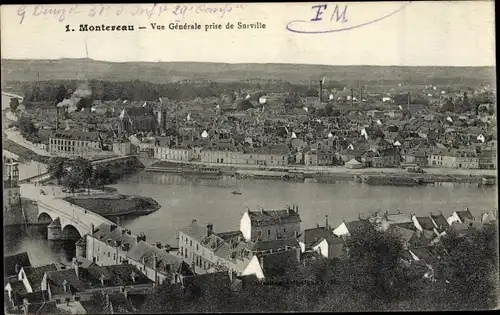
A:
10,262
35,275
273,217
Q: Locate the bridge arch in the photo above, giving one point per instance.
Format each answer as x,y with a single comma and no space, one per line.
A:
45,218
69,231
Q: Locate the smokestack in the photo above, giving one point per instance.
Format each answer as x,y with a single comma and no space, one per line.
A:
57,118
326,223
352,97
320,90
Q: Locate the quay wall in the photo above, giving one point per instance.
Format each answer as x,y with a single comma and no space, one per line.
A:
329,175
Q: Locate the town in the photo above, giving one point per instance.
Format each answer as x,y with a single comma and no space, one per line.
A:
289,158
435,129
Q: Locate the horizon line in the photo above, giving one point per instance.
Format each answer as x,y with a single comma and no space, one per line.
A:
242,63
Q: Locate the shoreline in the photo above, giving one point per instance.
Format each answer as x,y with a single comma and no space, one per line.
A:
325,175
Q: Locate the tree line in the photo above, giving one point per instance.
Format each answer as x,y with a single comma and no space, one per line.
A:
369,277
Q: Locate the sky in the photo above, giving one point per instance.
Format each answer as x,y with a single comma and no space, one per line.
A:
441,33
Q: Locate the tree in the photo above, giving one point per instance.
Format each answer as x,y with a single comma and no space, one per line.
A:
72,180
374,267
26,126
14,104
472,262
57,168
85,169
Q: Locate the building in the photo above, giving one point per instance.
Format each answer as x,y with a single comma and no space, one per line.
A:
270,224
176,154
346,229
257,157
209,252
80,284
157,264
323,241
10,170
71,143
14,263
461,217
110,244
123,148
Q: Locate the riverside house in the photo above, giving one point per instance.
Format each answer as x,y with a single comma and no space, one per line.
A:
264,157
209,252
72,143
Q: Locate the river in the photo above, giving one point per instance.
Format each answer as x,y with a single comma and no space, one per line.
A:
186,198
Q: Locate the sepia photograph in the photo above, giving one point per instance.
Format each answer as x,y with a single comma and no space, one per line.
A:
249,157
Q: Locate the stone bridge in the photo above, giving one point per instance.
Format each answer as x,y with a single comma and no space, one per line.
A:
41,178
66,220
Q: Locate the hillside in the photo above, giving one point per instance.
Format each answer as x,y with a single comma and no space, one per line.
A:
164,72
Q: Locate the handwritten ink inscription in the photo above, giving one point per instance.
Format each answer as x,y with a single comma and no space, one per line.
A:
329,18
63,12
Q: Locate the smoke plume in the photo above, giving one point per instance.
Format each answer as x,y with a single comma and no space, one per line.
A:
73,101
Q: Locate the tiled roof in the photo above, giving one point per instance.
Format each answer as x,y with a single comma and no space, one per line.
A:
426,223
440,221
311,236
195,230
108,233
144,253
10,262
465,215
207,281
273,217
18,287
35,275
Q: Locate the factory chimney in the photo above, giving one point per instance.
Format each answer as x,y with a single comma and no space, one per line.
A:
57,117
321,90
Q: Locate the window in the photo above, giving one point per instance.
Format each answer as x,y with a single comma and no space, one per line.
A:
190,243
186,240
109,254
268,232
197,248
77,298
284,230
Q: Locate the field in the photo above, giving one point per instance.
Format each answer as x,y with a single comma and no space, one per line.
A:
165,72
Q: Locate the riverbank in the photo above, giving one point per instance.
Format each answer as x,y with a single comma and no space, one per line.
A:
322,174
116,205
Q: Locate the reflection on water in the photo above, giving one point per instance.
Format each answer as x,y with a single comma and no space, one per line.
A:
33,240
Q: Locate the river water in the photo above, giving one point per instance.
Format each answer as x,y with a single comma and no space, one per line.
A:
186,198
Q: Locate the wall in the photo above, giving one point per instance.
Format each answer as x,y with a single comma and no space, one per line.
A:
271,232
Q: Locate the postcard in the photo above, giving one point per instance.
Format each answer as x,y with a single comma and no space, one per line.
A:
249,157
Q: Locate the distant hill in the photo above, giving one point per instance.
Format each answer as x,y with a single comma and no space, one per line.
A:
164,72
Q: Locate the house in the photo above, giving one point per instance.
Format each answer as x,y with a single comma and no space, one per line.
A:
323,241
379,144
208,281
109,244
270,224
32,276
460,217
123,148
175,154
418,157
385,220
348,155
353,164
349,228
12,264
440,222
263,248
206,251
487,217
157,264
79,284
